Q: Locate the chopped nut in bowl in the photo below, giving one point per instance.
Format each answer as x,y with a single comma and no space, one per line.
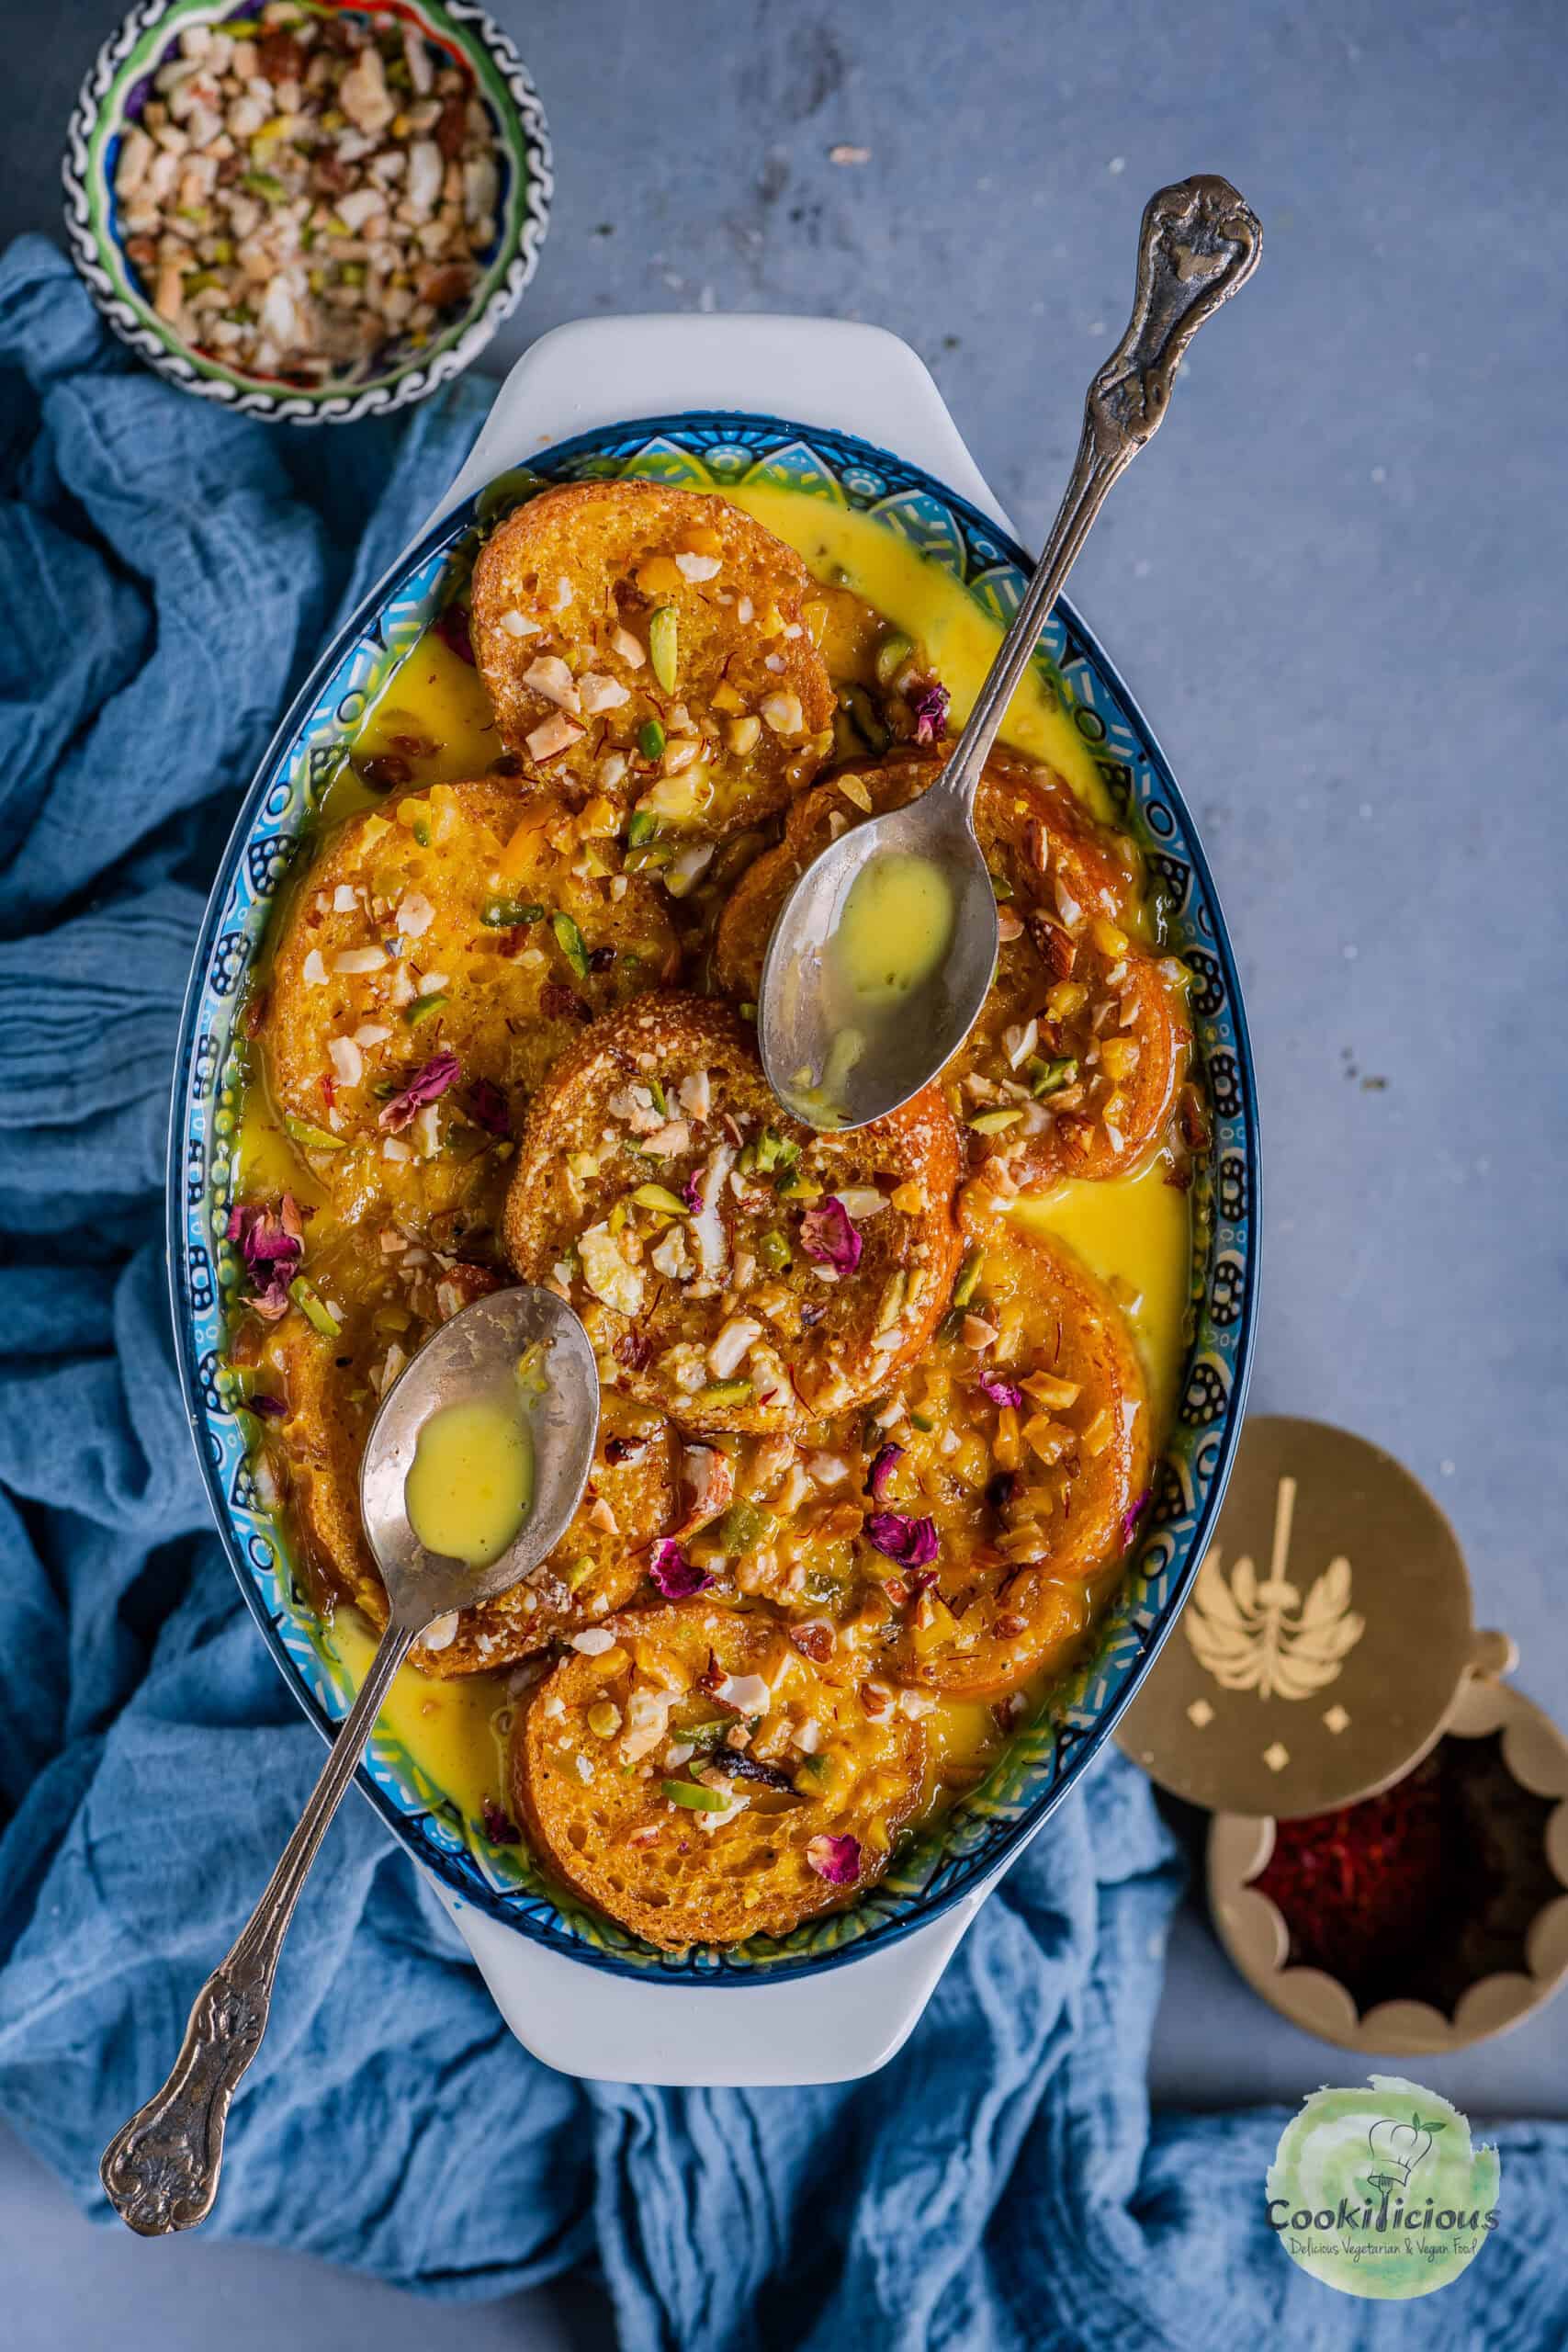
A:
311,213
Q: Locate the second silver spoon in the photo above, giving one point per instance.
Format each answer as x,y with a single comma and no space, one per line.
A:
161,2169
1198,242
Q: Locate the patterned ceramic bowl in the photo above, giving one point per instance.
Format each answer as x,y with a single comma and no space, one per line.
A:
959,1853
114,94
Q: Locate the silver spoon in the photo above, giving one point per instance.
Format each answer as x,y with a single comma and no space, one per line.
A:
1198,243
161,2169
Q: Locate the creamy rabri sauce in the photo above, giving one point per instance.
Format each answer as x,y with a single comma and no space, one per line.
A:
1134,1233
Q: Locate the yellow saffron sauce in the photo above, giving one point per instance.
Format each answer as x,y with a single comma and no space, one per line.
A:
1132,1233
894,933
471,1481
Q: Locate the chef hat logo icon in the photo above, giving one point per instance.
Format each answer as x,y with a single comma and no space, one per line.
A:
1398,2148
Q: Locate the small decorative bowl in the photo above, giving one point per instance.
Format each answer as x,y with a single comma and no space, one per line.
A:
114,94
1534,1754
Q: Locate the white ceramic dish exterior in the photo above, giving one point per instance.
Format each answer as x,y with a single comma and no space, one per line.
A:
861,380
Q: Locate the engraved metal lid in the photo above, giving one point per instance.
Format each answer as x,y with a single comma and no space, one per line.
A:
1325,1640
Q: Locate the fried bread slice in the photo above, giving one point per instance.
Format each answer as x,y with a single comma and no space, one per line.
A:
453,942
689,1771
733,1268
653,644
952,1539
1074,1064
324,1393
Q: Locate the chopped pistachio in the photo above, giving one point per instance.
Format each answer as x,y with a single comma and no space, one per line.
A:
314,1308
313,1138
1046,1076
891,655
508,914
662,637
696,1798
659,1197
969,1280
568,939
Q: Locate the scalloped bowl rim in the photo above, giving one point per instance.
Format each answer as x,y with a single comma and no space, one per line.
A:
979,1862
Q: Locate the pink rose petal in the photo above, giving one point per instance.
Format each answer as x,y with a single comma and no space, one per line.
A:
882,1469
676,1576
835,1859
913,1542
270,1240
828,1236
929,704
426,1085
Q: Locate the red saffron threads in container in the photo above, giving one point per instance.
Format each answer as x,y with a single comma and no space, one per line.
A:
1417,1893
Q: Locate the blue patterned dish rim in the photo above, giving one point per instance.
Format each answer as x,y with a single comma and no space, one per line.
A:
989,1825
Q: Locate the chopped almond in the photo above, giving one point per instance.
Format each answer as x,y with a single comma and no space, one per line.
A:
552,736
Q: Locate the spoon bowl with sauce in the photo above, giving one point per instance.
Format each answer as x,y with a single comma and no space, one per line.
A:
474,1467
886,945
882,955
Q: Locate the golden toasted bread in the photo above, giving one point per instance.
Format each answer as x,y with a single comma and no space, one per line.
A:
1043,1490
1073,1065
328,1391
949,1540
653,645
692,1774
733,1268
456,941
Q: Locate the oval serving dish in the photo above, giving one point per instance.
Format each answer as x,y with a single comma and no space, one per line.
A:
956,1855
113,95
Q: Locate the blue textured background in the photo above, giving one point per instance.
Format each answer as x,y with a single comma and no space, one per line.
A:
1337,586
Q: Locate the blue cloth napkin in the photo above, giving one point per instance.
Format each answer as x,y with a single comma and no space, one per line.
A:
166,573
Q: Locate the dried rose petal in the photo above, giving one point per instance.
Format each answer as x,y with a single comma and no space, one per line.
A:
500,1827
269,1408
1002,1392
452,627
913,1542
828,1236
691,1192
882,1469
676,1576
1129,1518
270,1241
487,1108
426,1085
929,704
835,1859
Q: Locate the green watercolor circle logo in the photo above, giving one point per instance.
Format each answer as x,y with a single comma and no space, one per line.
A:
1379,2192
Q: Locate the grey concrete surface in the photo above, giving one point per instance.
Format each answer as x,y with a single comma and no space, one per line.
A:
1336,587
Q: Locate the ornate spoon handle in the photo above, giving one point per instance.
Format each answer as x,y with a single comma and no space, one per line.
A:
1198,242
161,2169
